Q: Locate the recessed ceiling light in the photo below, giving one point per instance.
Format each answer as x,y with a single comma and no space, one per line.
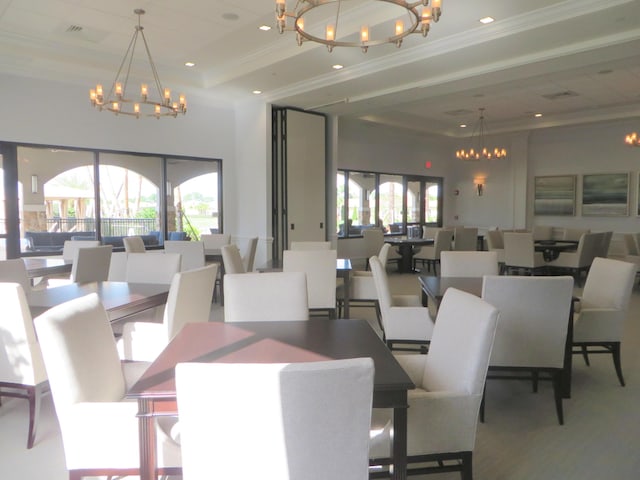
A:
189,64
486,20
463,125
264,28
257,92
538,115
337,66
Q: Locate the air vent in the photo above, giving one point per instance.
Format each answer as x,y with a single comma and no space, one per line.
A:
74,28
458,113
559,95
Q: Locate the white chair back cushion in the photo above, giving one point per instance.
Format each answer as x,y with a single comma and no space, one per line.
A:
118,267
468,264
462,338
21,359
383,254
608,284
133,245
80,353
249,257
320,267
272,296
465,239
152,267
373,239
215,240
91,264
232,259
534,317
381,280
15,271
192,253
310,245
311,420
71,246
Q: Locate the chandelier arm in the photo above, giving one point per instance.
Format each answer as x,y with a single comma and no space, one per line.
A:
124,59
156,78
126,78
335,29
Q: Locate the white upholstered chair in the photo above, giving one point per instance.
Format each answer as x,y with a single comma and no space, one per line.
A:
308,245
22,371
520,255
443,408
91,264
578,262
468,264
152,268
430,254
231,259
192,253
320,268
373,239
465,239
88,384
532,331
296,428
404,320
118,267
272,296
133,244
495,243
249,256
15,271
189,301
215,241
599,321
574,234
70,247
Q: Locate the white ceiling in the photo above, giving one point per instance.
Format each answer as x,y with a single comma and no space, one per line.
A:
583,53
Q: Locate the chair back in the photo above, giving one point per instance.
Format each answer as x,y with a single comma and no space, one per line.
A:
15,271
588,247
495,240
133,244
232,259
373,239
608,284
574,234
118,267
152,267
70,247
299,428
385,299
271,296
534,317
542,232
310,246
192,253
468,264
249,256
465,238
214,241
430,232
519,249
460,345
630,244
189,299
21,360
383,254
320,268
80,354
443,242
91,264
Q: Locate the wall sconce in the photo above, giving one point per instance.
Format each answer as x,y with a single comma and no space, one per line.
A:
479,183
34,183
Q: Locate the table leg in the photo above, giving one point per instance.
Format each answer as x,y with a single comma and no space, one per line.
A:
147,440
399,443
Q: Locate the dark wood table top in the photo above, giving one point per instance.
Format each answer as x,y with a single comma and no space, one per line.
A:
120,299
408,241
41,267
275,342
342,265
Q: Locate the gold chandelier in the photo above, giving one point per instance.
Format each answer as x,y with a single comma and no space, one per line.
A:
632,139
117,100
418,22
477,147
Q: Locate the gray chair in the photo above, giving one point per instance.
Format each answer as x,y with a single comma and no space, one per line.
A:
231,259
465,239
91,264
431,254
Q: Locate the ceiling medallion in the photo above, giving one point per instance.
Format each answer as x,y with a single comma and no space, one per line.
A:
418,21
117,101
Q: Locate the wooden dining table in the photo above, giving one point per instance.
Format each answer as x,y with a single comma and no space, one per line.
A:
43,266
551,248
434,288
270,342
120,299
407,247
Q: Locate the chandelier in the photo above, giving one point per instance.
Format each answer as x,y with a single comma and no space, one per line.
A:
477,147
417,22
632,139
118,102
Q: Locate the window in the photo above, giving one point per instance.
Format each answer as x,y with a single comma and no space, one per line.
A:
393,202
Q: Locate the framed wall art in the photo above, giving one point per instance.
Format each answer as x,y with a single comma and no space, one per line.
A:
605,195
555,195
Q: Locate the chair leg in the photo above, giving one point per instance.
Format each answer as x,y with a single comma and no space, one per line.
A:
585,355
615,351
466,472
557,393
534,379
